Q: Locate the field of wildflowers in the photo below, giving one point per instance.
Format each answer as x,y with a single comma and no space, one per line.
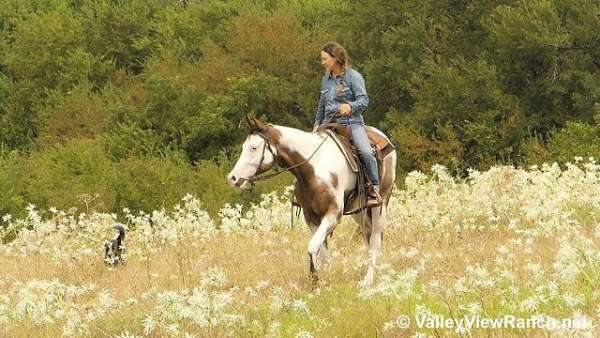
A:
504,242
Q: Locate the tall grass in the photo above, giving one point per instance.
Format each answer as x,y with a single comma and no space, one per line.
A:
507,241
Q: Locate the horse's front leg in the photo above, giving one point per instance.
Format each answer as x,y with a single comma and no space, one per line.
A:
323,258
317,243
312,259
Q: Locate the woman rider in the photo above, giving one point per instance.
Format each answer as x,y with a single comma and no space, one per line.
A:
343,100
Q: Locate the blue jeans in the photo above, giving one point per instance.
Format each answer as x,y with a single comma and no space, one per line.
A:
363,147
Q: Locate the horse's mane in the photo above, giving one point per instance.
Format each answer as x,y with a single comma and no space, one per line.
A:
297,133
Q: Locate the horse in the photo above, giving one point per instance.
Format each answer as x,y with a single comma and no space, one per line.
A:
323,179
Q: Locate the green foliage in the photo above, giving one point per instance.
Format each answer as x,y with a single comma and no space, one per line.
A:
129,140
547,59
73,115
10,200
17,120
120,31
576,139
181,30
159,89
48,50
152,183
73,174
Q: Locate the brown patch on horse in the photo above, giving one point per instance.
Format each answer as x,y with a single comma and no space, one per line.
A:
334,180
314,196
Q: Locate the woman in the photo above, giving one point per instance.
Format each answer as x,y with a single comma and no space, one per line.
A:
343,100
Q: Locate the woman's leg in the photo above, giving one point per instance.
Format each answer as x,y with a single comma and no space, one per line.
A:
361,141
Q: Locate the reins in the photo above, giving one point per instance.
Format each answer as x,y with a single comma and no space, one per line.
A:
267,146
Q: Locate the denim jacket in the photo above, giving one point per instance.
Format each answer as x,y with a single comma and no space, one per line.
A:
354,93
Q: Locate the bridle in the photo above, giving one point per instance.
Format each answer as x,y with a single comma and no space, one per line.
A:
267,146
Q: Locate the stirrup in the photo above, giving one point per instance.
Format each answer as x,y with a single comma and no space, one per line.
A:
373,202
374,198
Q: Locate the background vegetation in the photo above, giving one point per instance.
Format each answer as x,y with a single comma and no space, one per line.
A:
114,104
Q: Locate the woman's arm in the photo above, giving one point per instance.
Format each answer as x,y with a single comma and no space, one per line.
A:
361,99
320,115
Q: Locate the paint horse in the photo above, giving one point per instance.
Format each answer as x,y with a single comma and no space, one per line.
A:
323,179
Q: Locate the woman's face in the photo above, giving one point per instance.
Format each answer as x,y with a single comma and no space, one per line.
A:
328,61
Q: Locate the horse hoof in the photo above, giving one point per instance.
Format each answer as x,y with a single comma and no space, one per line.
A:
314,280
366,283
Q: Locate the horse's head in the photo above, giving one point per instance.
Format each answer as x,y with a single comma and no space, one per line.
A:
257,155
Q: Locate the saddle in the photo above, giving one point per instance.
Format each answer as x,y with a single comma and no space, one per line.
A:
380,145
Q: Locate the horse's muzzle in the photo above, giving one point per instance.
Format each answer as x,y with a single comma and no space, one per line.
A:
237,182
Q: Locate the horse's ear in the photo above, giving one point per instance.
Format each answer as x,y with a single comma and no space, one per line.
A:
256,124
251,123
260,124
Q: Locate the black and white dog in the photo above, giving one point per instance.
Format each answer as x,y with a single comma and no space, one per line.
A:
113,249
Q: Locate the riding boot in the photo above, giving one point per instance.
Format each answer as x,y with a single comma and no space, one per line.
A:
374,196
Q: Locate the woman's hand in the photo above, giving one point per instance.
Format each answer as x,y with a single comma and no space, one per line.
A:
345,109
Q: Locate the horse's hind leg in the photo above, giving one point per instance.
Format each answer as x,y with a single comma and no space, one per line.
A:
375,239
358,218
324,256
